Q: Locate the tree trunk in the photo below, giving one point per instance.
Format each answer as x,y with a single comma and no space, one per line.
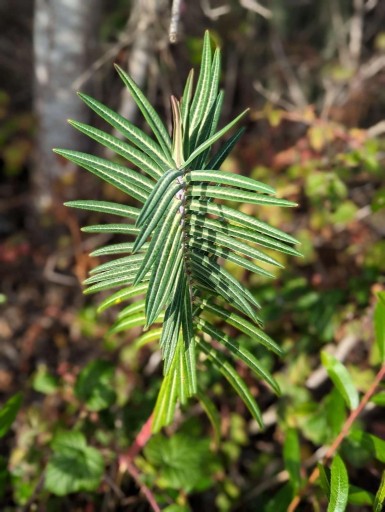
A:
65,41
145,24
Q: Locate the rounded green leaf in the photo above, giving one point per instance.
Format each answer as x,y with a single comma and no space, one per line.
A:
74,466
93,385
182,461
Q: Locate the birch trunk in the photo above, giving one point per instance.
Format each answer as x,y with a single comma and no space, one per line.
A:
65,40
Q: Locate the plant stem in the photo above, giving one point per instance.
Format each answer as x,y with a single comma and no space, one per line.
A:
131,469
125,461
141,440
338,440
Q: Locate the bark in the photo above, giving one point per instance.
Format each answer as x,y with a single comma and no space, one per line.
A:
145,24
65,40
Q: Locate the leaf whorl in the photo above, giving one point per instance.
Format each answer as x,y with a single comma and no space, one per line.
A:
181,238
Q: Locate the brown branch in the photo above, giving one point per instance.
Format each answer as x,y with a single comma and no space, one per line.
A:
125,461
338,440
174,22
131,469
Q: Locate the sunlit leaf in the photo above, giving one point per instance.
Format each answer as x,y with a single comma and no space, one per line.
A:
339,486
379,325
341,379
379,499
169,263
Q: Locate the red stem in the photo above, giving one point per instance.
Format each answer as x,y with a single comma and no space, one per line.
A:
125,461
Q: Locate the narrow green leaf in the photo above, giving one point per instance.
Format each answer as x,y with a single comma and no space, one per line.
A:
130,131
164,275
339,486
188,350
118,263
227,178
127,269
163,401
114,282
207,130
157,242
219,238
341,379
132,309
107,250
122,295
111,280
158,193
130,153
234,379
239,353
292,457
121,210
124,229
9,412
379,500
177,136
231,282
221,252
138,320
212,110
209,142
185,102
214,86
175,387
379,325
221,155
165,404
229,214
130,182
147,337
183,383
241,232
234,194
202,91
167,202
212,414
148,112
216,284
171,328
242,325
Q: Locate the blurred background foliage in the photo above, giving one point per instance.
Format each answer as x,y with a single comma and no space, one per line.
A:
313,74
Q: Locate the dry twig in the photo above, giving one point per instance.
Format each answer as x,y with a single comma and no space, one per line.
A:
253,5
